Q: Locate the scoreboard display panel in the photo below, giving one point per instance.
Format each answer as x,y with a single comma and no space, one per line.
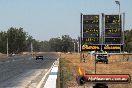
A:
112,33
112,40
113,29
90,29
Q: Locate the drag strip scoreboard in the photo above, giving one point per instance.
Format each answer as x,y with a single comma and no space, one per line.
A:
90,33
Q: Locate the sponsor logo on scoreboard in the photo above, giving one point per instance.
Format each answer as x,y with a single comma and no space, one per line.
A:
105,47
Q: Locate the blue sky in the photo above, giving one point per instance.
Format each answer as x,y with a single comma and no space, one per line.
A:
45,19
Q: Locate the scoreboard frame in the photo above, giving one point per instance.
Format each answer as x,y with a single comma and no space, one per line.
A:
101,31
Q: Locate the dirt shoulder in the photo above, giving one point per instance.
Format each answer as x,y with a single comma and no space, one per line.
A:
2,56
70,63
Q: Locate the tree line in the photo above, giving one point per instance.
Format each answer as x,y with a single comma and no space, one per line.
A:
128,40
20,41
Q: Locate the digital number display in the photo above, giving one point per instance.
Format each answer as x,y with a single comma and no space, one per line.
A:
112,26
90,26
112,40
90,29
91,17
112,19
113,32
90,35
91,40
113,29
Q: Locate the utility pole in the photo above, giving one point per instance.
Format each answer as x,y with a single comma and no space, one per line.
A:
7,47
120,26
78,46
32,49
74,47
81,15
123,30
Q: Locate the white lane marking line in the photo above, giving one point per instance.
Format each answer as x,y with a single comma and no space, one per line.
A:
49,81
52,76
41,82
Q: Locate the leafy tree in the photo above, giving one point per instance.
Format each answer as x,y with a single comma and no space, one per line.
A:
44,46
55,44
63,44
19,41
128,40
16,39
3,41
67,43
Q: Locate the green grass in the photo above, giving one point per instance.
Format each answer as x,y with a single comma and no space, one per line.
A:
64,72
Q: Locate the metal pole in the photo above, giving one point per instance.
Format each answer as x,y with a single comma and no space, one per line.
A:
95,63
123,33
123,29
74,47
7,47
120,26
119,6
81,37
120,22
78,47
32,49
62,78
102,33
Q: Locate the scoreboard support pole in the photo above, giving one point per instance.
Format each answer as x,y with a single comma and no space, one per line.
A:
95,63
123,27
81,37
123,30
102,32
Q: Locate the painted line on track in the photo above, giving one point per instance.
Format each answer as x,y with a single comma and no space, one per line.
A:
42,80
